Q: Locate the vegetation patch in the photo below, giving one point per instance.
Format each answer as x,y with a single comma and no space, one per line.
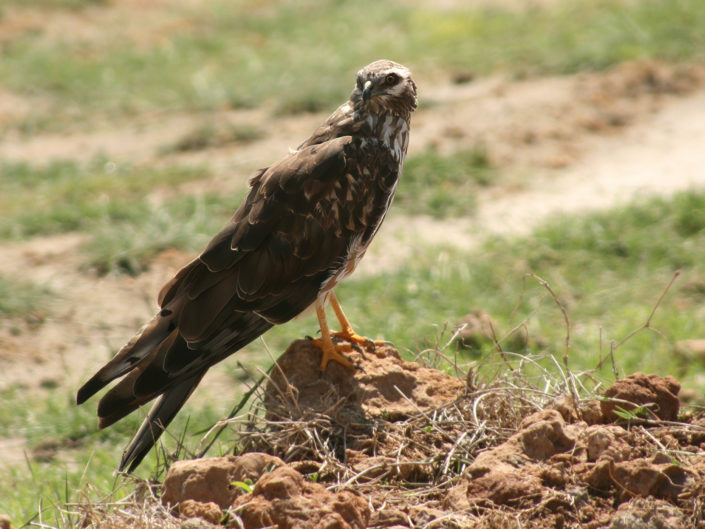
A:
64,457
213,136
232,55
65,196
19,297
444,185
127,244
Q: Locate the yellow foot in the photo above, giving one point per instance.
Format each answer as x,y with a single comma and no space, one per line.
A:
333,352
359,342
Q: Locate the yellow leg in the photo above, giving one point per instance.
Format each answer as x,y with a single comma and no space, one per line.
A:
346,330
325,342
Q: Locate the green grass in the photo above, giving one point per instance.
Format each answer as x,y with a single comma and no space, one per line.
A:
302,56
444,185
68,459
18,297
186,223
115,205
64,196
211,135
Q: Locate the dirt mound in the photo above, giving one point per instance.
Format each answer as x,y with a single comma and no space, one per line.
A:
384,385
398,444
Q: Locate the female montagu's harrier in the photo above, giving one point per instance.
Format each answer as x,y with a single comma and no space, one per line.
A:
303,227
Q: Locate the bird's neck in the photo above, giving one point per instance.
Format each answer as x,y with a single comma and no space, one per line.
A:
391,129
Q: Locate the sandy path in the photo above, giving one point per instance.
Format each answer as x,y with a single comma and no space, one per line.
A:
663,155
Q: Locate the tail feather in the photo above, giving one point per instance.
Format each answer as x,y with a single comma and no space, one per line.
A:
120,401
146,381
136,350
161,414
160,363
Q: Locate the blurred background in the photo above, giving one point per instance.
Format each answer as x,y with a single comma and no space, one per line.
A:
561,138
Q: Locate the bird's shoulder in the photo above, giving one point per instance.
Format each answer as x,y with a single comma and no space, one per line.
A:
340,123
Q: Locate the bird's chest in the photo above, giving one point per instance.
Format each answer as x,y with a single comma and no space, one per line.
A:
389,140
369,188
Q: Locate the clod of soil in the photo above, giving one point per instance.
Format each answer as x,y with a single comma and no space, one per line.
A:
286,500
645,513
212,480
477,328
655,395
208,511
547,456
509,473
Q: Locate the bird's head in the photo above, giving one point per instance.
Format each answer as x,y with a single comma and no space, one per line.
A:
384,86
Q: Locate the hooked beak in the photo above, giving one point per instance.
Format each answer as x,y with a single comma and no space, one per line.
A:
366,91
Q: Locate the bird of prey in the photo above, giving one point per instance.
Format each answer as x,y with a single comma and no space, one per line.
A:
303,227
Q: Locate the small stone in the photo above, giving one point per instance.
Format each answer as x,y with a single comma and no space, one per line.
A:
591,412
598,441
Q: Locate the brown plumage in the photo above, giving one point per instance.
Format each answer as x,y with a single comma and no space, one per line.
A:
302,228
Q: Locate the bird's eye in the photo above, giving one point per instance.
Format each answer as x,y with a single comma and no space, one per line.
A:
359,83
391,79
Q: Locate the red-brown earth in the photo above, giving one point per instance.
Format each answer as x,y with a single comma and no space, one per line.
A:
401,445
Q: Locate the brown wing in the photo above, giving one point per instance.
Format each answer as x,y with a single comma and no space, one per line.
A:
267,265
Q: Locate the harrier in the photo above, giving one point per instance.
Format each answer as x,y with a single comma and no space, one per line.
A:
303,227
